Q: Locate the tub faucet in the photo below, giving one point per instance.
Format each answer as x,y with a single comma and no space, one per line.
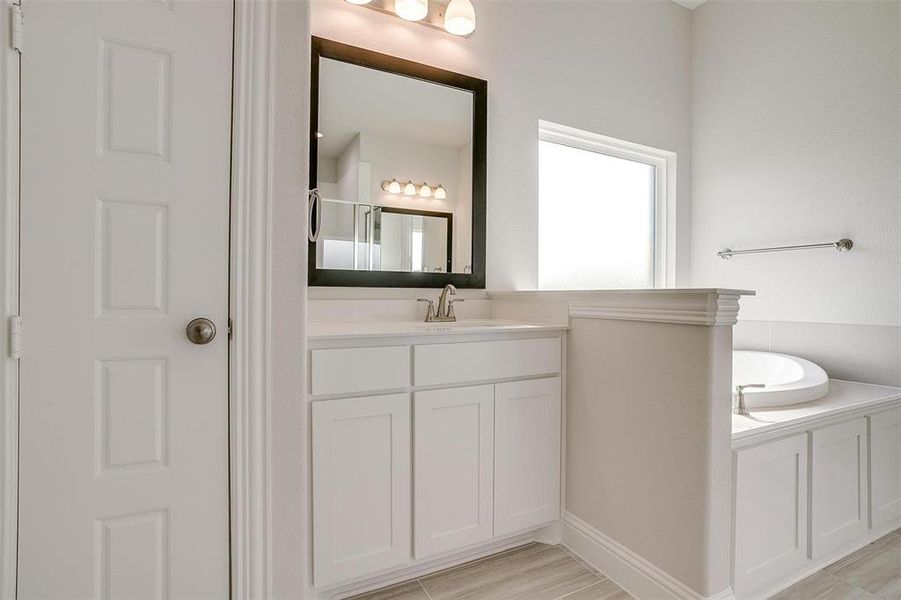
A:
738,399
445,311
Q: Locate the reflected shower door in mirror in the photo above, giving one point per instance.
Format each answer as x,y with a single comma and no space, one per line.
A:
399,163
379,238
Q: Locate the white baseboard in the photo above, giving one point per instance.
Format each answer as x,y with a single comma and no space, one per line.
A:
630,571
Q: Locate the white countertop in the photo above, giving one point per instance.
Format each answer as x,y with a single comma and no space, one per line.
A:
843,397
382,329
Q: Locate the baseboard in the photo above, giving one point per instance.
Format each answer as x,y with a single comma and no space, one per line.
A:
636,575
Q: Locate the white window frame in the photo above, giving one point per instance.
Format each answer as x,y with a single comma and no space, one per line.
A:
664,163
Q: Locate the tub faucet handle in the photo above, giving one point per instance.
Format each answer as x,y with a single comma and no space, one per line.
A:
738,398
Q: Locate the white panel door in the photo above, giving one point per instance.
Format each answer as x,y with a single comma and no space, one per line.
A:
770,512
361,486
454,473
885,468
125,203
839,497
526,454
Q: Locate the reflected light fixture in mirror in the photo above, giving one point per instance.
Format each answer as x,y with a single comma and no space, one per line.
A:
411,10
392,187
460,18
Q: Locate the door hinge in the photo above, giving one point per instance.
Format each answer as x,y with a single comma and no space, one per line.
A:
18,26
15,337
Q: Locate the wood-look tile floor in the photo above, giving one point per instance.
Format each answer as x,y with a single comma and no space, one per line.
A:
872,572
531,572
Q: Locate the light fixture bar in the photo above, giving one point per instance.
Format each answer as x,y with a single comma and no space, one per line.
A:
435,18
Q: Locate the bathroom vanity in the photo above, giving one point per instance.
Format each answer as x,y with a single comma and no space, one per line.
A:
813,483
430,441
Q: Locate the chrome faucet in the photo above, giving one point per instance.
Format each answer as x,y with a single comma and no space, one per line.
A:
738,399
445,312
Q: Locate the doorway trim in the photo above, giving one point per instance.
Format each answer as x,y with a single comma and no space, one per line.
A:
250,400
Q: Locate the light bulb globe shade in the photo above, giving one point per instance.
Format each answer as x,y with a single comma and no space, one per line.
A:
411,10
394,187
359,2
460,17
440,192
425,191
409,189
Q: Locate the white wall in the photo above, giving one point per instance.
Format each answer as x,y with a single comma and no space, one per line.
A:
617,68
796,140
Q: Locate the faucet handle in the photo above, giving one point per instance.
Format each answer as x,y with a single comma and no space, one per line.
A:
450,307
430,313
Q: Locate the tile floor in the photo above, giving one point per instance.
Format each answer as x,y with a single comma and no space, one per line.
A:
872,572
531,572
542,572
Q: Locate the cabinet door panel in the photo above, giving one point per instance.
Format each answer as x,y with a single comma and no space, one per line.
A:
527,454
361,486
885,467
454,468
839,484
770,512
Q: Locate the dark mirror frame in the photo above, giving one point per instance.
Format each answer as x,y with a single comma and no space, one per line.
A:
323,48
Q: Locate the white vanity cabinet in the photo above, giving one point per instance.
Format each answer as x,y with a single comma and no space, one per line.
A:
468,426
839,494
454,468
526,454
885,467
361,486
770,512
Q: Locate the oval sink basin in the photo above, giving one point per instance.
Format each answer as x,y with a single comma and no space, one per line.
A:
788,379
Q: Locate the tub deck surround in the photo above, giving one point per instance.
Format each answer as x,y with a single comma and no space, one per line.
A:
814,482
845,398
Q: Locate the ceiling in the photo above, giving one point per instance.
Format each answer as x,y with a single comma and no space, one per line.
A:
354,99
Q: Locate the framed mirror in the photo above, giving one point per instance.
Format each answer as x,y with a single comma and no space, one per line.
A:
397,153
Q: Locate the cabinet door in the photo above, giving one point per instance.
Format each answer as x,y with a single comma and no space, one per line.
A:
885,467
454,468
361,486
839,486
526,454
770,512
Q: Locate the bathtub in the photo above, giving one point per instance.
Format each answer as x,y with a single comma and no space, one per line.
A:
788,379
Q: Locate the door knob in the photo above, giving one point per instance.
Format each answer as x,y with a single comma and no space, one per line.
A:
200,331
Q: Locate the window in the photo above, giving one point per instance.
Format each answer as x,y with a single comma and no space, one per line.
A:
604,209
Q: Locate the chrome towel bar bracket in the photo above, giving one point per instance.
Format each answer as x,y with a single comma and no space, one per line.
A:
843,245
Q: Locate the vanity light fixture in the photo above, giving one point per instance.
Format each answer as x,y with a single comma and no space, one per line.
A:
425,191
457,17
410,189
440,192
411,10
392,187
460,17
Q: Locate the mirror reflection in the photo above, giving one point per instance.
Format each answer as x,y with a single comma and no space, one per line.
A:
395,172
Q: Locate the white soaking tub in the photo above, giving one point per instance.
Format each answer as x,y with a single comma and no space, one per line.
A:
788,379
